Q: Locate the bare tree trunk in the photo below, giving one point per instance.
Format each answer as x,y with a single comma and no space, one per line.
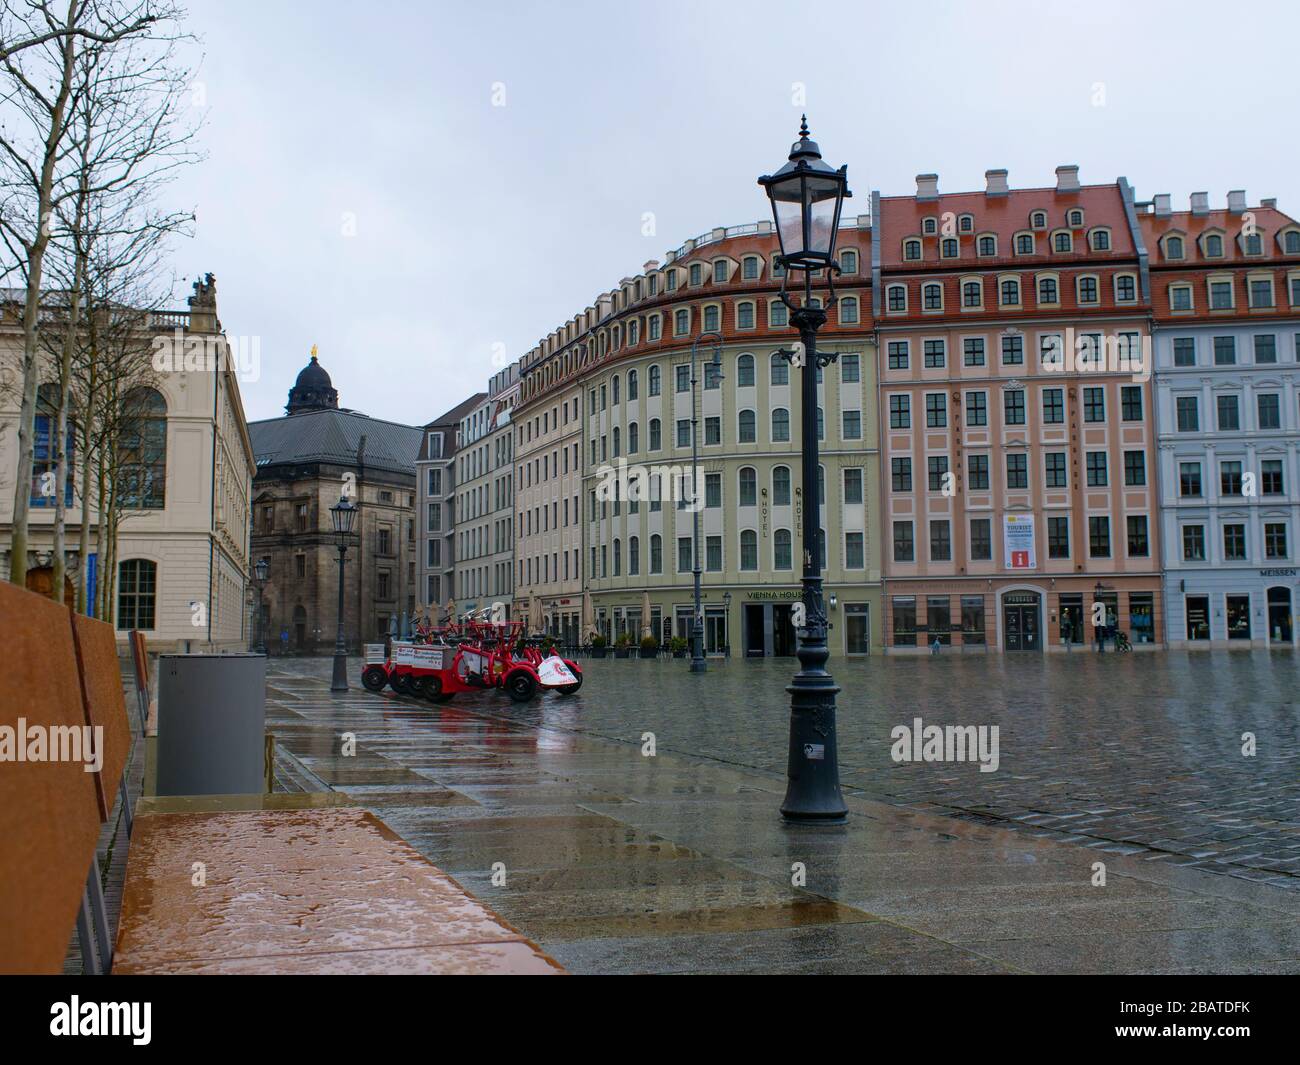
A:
32,310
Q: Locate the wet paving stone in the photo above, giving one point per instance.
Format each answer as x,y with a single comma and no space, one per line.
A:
616,862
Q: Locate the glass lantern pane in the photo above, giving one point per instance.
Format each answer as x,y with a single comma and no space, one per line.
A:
789,223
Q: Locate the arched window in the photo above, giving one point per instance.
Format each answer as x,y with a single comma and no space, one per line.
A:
656,441
781,486
745,371
143,450
633,556
932,297
656,553
780,371
44,457
616,389
632,441
631,385
747,430
618,557
782,556
780,424
1173,247
654,381
748,486
748,549
745,315
137,591
911,249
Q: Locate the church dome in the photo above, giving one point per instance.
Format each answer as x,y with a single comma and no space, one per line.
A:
313,390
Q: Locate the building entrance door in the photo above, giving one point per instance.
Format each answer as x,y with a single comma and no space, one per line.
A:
1020,619
1279,615
782,631
754,630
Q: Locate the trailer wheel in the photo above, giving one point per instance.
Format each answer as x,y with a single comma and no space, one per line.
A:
433,690
417,686
374,678
400,683
521,686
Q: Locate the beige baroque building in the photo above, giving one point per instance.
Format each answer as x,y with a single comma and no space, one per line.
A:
630,357
182,557
547,481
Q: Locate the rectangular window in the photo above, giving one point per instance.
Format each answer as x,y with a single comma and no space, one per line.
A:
938,619
1184,351
1099,537
683,376
1230,478
854,554
1013,406
1193,543
935,355
1094,404
977,408
713,554
1135,469
1229,416
1225,351
1270,476
1053,406
978,466
850,369
1055,469
898,354
940,542
972,620
683,554
1275,540
901,474
1138,546
904,547
1058,537
1270,410
852,424
1266,348
1097,475
981,540
1188,412
904,610
1017,471
900,412
937,468
1189,479
1234,542
852,486
936,410
1130,401
1013,349
973,351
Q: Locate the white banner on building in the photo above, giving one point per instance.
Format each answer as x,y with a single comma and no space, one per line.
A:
1018,541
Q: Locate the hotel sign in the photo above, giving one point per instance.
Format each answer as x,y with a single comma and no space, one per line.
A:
1018,541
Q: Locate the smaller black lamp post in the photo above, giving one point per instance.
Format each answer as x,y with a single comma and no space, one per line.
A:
344,516
261,571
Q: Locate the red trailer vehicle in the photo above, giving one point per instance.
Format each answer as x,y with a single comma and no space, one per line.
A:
485,658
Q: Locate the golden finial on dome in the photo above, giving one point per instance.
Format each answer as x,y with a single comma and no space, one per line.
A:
313,351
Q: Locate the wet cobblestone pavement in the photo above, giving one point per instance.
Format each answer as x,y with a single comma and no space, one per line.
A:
616,862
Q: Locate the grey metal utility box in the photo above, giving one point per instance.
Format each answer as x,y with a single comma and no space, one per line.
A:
211,724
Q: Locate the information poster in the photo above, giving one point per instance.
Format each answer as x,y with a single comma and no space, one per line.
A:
1018,541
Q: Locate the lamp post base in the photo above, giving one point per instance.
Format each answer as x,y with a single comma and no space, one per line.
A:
340,681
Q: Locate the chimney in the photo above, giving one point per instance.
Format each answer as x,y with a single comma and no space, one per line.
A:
651,265
1237,201
1067,178
1271,202
1164,204
927,186
995,182
1200,203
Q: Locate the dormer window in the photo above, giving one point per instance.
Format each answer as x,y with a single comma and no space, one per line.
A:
719,271
1291,242
672,280
966,223
1100,240
987,246
1038,220
930,227
950,248
1024,244
777,269
1063,242
1074,218
1173,247
749,268
1254,244
697,274
849,261
1213,246
912,250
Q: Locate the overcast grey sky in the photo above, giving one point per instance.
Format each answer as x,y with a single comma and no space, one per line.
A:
479,225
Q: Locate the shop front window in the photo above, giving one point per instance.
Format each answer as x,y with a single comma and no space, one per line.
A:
938,619
904,621
1142,617
1238,617
1072,624
857,638
1198,617
972,620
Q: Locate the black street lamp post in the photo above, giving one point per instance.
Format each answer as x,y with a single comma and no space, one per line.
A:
261,571
807,195
344,516
698,663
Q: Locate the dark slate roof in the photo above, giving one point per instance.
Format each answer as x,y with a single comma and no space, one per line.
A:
448,424
333,436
